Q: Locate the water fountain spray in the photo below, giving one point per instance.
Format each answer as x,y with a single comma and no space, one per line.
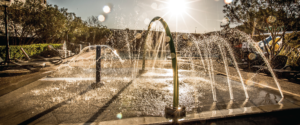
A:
98,63
175,110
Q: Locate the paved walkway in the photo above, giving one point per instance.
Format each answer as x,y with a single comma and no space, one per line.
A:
52,100
17,78
14,79
74,101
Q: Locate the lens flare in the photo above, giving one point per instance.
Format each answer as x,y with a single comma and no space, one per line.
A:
177,6
228,1
184,36
154,6
167,39
249,82
119,115
189,43
252,56
271,19
106,9
161,6
101,18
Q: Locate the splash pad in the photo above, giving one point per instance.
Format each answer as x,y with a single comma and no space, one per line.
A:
204,87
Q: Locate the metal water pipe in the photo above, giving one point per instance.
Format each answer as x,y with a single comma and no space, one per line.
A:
176,106
98,83
98,64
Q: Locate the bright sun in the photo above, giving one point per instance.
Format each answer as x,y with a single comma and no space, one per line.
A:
177,6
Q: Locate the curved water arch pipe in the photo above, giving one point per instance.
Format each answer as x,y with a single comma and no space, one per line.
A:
173,56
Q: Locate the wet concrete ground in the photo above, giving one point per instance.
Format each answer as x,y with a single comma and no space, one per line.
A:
126,95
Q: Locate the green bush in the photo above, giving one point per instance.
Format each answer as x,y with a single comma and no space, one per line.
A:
33,49
293,56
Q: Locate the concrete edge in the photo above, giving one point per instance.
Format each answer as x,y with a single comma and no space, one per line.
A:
206,115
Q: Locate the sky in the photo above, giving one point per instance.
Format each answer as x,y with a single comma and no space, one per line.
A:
186,16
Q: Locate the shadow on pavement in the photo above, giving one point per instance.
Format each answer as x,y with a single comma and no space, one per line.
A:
93,118
12,74
101,110
28,121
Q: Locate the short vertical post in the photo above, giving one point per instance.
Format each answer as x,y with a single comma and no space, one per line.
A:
104,54
65,49
80,47
98,64
66,52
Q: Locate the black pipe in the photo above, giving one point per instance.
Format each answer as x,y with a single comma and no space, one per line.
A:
7,59
98,64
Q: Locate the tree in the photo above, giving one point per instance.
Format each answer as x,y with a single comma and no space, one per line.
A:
262,15
244,29
43,23
36,21
98,32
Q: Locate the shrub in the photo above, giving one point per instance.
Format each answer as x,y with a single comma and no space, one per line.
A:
33,49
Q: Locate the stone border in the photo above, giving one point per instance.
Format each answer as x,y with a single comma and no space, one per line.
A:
203,116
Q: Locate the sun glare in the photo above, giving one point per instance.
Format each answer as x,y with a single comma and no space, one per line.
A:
178,9
228,1
177,6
